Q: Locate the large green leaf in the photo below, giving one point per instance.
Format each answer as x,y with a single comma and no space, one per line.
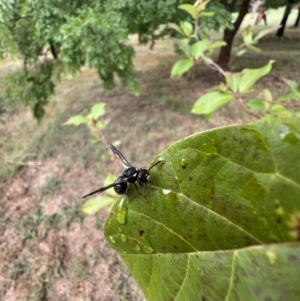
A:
219,219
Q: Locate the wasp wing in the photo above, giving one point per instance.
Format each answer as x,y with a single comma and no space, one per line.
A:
120,156
103,188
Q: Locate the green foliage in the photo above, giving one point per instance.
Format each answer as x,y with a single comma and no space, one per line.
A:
92,121
221,212
238,84
90,33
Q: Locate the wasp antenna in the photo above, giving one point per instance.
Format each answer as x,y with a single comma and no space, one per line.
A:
154,165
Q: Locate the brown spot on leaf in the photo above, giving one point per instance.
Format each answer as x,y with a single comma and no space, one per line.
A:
142,232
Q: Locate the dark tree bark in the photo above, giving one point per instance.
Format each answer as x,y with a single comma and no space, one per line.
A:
287,11
229,34
53,51
298,18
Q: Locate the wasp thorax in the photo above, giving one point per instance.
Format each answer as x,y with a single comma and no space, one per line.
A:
143,176
131,174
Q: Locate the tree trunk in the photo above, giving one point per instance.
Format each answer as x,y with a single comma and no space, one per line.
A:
287,11
298,18
229,34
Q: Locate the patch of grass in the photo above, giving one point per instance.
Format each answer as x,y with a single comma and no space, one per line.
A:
51,187
79,269
99,222
19,269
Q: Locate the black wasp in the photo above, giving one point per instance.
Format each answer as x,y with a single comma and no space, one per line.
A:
131,175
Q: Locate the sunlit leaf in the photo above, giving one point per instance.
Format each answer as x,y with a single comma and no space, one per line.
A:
186,28
293,86
257,104
210,102
93,205
233,80
175,27
98,110
77,120
217,44
199,48
181,67
266,32
189,9
251,76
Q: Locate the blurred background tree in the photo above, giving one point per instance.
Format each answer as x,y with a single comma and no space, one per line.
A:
53,36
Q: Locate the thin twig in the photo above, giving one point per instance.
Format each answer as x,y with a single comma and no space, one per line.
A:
211,62
239,99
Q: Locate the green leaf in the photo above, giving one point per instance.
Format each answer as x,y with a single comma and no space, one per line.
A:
98,110
281,111
175,27
210,102
189,9
247,36
187,28
266,32
233,80
217,44
108,180
251,76
77,120
292,85
255,49
257,104
199,48
241,52
219,219
207,14
93,205
184,46
181,67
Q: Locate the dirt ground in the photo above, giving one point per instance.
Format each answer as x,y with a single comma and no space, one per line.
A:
48,249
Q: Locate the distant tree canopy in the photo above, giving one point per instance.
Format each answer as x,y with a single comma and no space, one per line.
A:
54,36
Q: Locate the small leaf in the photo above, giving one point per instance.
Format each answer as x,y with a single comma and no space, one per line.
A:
109,180
247,36
186,28
217,44
189,9
98,110
241,52
207,14
266,32
175,27
184,46
93,205
289,96
256,104
233,80
292,84
255,49
266,94
281,111
210,102
181,67
77,120
199,48
251,76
